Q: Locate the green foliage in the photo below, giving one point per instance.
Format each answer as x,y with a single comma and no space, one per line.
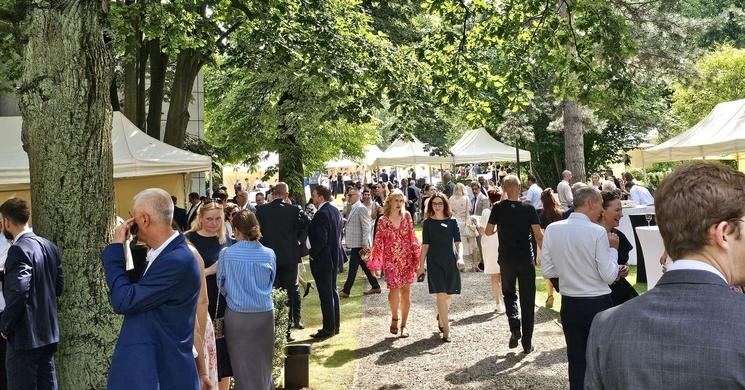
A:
721,78
279,297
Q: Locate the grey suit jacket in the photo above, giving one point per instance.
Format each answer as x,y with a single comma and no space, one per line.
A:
686,333
357,230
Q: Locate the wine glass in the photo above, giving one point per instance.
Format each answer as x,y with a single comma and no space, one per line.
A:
648,217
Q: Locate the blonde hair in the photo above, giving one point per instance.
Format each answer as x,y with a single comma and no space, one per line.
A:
459,190
196,225
388,206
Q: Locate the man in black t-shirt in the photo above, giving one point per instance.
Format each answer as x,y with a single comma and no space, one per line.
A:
516,224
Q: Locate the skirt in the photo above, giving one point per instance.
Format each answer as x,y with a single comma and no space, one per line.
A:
250,339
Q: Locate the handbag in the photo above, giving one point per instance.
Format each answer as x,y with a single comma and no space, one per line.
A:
224,368
218,323
469,230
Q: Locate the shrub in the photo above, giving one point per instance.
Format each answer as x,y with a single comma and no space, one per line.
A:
280,333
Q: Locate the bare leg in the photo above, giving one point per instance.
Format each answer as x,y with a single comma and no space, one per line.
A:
496,289
442,311
394,301
405,304
550,292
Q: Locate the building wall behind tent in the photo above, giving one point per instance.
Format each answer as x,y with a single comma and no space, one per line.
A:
124,189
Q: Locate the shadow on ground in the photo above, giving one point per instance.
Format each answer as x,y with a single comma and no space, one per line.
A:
490,368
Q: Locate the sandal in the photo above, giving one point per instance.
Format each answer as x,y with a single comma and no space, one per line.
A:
446,335
550,302
394,326
404,332
438,323
475,268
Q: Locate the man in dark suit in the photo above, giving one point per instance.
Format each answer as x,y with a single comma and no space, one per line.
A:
154,350
686,332
195,201
179,215
326,254
33,281
283,226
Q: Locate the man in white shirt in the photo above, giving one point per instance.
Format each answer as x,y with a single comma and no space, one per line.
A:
564,190
683,333
584,258
533,194
638,194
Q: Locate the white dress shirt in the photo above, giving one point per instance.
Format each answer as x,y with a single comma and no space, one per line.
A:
4,246
695,265
534,196
153,254
577,252
564,190
640,195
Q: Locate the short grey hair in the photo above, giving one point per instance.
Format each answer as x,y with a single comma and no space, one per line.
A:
582,195
511,180
608,185
157,203
242,193
280,189
566,173
576,186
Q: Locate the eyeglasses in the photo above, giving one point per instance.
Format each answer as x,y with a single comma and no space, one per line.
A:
437,203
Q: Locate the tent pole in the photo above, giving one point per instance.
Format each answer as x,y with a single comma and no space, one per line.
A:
517,155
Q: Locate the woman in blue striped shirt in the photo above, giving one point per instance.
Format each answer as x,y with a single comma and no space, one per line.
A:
245,275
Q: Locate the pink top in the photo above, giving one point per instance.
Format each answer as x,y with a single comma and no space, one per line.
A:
396,251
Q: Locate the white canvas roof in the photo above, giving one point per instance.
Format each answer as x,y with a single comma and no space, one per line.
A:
135,153
409,153
371,153
478,146
720,135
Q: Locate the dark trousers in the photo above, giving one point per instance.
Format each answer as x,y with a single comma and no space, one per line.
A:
522,273
355,260
325,278
576,317
31,369
286,279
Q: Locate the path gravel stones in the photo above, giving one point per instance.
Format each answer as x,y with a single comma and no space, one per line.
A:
478,356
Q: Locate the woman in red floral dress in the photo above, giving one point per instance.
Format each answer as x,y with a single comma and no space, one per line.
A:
396,251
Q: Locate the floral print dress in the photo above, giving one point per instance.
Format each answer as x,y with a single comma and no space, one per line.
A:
396,251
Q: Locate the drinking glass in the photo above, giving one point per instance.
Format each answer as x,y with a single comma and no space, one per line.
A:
648,217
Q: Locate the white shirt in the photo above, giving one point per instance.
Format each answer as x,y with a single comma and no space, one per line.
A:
534,196
4,246
153,254
640,195
577,252
695,265
564,190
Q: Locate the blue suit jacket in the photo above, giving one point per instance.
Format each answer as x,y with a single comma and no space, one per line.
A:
155,342
324,233
33,281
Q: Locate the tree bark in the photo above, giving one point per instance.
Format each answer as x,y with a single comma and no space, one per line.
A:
574,143
158,66
131,70
141,81
188,64
290,154
66,108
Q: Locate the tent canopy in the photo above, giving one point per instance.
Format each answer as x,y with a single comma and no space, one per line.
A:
136,154
720,135
478,146
409,153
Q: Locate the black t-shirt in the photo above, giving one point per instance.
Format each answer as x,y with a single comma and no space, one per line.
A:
513,220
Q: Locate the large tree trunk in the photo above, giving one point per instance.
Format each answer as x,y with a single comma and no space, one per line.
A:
188,64
574,150
64,99
141,81
291,167
574,143
158,66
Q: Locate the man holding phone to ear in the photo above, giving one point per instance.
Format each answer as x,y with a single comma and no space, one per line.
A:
154,350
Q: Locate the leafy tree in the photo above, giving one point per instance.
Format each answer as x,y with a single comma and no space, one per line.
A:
720,78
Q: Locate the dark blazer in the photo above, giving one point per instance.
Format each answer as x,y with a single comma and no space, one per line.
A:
155,342
192,214
282,228
33,281
179,216
325,233
686,333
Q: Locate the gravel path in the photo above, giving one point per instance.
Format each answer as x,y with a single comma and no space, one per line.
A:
478,356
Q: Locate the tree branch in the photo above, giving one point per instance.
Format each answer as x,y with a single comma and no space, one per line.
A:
227,32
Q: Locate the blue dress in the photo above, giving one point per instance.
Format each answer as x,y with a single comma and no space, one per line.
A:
443,275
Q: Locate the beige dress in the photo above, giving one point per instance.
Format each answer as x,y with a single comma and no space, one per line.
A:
461,206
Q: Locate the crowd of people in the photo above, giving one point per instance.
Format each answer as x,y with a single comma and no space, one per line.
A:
198,306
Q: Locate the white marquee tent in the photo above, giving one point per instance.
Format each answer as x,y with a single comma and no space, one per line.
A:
407,153
720,135
371,153
478,146
140,161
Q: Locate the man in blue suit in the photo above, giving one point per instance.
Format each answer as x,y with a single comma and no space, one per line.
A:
154,350
324,234
33,281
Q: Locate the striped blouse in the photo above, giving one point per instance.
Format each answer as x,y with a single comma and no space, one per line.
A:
245,275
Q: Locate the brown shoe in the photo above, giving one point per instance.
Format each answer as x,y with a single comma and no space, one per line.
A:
372,291
342,294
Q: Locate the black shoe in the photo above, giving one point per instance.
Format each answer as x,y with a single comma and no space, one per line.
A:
528,350
515,338
322,334
298,325
290,338
307,288
336,331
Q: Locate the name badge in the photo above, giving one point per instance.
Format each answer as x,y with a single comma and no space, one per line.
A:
444,225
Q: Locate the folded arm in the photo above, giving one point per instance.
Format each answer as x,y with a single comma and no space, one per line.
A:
18,272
